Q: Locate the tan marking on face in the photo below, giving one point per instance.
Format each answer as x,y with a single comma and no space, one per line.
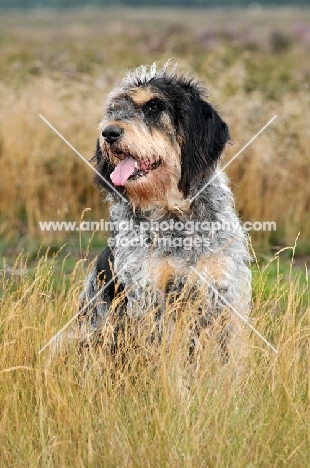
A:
141,96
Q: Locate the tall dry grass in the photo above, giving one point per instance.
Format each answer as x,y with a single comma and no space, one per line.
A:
148,406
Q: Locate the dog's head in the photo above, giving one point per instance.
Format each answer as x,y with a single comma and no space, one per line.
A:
159,137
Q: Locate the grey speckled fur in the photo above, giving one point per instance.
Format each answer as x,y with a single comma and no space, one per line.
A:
215,203
135,265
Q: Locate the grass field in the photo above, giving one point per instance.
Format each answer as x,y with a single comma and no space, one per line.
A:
151,409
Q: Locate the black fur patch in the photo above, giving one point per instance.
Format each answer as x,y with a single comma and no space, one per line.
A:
104,270
206,135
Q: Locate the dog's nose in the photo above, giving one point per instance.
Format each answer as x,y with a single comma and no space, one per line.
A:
112,133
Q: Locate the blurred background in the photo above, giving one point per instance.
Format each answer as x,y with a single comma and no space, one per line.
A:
60,58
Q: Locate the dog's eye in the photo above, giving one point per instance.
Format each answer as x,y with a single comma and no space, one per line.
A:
153,107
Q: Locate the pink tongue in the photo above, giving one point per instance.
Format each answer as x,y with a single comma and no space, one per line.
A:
123,171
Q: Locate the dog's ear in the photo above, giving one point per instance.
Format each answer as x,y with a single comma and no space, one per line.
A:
206,135
105,169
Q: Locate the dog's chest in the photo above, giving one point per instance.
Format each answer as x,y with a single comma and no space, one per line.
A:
148,259
154,253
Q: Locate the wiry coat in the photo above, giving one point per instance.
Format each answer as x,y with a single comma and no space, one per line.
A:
162,124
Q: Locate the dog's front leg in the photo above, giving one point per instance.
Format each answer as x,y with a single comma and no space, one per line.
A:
96,299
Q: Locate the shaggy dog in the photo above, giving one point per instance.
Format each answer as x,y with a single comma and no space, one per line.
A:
172,212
